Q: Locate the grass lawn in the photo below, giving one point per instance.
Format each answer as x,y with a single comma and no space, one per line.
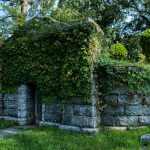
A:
48,138
6,124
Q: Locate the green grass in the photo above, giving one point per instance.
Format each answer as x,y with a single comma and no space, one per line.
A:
6,124
47,138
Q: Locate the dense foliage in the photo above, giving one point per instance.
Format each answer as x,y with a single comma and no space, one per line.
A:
114,74
57,60
145,43
118,51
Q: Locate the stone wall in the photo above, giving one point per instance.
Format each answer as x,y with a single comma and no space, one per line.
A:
20,106
76,116
124,108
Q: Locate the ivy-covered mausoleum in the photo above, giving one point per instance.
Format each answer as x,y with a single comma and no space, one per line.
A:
49,76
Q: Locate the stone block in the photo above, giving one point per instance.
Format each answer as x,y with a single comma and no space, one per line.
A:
8,118
68,110
148,100
54,108
66,119
144,120
145,138
91,122
24,121
111,99
110,110
107,120
22,114
11,112
126,121
11,97
43,123
76,121
10,104
1,103
54,118
119,120
119,91
115,128
137,110
92,131
70,128
85,110
1,111
126,100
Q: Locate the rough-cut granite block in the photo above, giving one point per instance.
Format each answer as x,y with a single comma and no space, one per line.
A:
126,121
126,100
145,138
82,110
111,99
111,110
76,121
68,110
119,120
53,118
119,91
54,108
137,110
91,122
144,120
43,123
66,119
69,128
92,131
11,112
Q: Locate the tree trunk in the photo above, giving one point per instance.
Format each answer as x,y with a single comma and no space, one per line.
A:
24,6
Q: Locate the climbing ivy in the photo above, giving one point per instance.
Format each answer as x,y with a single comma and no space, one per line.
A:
114,74
56,58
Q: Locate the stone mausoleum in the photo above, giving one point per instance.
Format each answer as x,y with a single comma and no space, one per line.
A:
25,107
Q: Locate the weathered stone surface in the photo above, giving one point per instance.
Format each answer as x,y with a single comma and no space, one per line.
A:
10,131
54,108
111,99
137,110
11,112
53,118
145,138
85,110
144,120
66,119
69,128
41,123
126,100
76,121
120,91
148,100
107,120
115,128
8,118
126,121
111,110
120,120
68,110
92,131
91,122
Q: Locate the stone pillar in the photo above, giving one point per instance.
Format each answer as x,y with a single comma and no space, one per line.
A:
26,105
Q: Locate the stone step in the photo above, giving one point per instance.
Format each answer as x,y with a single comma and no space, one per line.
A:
9,132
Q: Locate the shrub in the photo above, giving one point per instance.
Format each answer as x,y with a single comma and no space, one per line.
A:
118,51
145,43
